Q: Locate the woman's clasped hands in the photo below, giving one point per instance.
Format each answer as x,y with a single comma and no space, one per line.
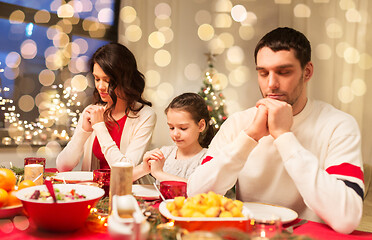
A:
92,115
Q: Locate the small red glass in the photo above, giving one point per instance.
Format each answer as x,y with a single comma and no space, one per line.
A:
35,160
102,177
172,189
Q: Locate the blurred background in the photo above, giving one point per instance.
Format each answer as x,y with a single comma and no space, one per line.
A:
203,46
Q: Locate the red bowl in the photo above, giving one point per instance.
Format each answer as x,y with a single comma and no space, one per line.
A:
60,216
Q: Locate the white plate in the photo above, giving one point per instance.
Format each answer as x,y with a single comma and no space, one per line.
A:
147,192
286,215
74,176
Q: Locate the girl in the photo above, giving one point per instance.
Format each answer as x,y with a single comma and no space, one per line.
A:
118,126
188,120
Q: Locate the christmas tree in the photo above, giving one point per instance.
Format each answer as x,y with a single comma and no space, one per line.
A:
213,97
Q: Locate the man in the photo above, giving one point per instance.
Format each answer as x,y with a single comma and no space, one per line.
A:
289,150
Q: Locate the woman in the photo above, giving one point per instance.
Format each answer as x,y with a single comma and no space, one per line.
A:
119,125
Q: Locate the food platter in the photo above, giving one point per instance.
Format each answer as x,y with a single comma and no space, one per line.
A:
74,176
146,192
208,224
11,211
286,215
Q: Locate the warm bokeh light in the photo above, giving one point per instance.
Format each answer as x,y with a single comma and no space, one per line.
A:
227,39
42,16
251,19
61,40
127,14
222,20
97,30
168,34
82,64
323,51
235,55
165,90
239,13
28,49
17,17
333,28
302,11
65,25
79,82
340,48
220,81
53,31
162,22
13,59
358,87
246,32
352,15
156,40
46,77
192,72
162,58
83,45
351,55
11,73
163,10
65,11
24,149
216,46
133,33
152,78
239,76
345,95
205,32
106,15
26,103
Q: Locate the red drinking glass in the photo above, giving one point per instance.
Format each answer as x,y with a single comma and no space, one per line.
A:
171,189
102,177
35,160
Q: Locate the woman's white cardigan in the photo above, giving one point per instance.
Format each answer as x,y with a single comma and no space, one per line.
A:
135,140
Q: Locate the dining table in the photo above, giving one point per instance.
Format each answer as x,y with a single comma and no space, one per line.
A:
19,227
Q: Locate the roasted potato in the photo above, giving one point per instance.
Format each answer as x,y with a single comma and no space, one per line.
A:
205,205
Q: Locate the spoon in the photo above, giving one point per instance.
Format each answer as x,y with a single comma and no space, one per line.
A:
157,189
49,185
37,177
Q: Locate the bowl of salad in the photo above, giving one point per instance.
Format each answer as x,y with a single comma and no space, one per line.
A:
69,213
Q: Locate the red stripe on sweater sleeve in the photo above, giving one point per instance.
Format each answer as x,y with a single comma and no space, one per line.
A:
346,169
206,159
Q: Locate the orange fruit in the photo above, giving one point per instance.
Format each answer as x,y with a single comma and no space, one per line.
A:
7,179
3,197
12,199
26,184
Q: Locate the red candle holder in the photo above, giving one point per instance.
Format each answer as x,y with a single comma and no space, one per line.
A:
35,160
172,189
102,177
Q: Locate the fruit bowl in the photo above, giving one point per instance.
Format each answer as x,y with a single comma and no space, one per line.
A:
10,211
62,216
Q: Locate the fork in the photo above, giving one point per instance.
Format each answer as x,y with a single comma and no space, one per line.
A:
291,228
